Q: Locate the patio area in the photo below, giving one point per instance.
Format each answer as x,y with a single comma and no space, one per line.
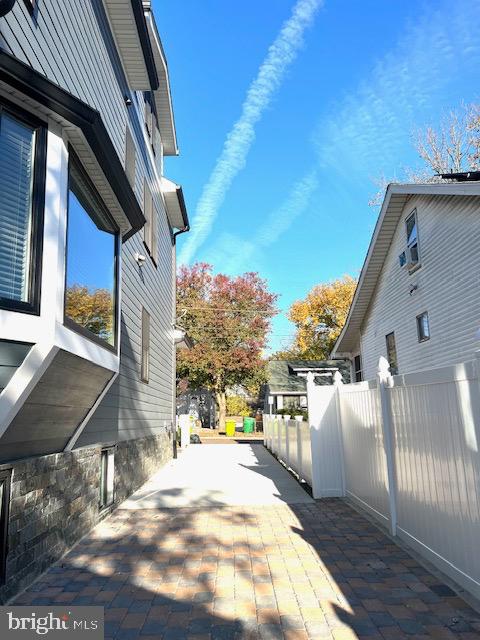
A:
224,543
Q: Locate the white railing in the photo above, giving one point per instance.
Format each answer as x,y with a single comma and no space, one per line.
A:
405,449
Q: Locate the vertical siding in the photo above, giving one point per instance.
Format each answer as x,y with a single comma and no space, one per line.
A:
70,42
438,467
364,451
448,288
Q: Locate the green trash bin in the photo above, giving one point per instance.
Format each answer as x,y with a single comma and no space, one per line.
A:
248,425
230,428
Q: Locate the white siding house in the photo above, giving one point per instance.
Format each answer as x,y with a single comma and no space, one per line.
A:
431,303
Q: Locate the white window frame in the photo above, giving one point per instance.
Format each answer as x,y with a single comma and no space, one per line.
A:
422,338
416,242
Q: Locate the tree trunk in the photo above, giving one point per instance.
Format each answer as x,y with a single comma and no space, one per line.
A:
222,409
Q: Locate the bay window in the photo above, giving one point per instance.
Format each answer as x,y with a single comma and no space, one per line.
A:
91,271
22,185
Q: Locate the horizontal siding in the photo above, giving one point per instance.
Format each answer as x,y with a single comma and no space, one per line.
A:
448,289
71,43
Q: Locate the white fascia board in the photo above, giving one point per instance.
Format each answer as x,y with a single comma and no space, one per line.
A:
163,96
125,33
174,204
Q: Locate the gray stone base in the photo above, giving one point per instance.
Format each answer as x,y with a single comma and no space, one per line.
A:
55,501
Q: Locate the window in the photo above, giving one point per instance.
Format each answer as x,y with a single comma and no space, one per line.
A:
357,368
158,151
145,361
130,158
150,231
423,327
22,188
5,479
392,353
412,238
107,473
91,272
148,114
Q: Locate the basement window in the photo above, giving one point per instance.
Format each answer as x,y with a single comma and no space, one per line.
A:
107,473
423,327
5,480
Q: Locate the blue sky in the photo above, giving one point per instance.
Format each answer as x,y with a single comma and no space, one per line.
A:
335,105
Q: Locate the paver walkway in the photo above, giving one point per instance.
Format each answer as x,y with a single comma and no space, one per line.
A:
288,568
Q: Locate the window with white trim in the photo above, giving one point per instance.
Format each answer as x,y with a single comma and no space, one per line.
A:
411,224
423,327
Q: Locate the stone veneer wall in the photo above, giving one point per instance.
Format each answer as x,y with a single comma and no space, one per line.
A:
54,501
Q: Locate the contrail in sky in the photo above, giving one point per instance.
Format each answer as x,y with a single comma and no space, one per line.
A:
233,157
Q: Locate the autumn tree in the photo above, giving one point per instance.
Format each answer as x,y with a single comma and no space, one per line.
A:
91,308
228,319
319,318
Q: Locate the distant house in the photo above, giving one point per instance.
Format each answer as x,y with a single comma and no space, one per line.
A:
286,386
418,298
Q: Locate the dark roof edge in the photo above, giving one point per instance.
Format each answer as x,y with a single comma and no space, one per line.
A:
138,12
183,207
461,176
36,86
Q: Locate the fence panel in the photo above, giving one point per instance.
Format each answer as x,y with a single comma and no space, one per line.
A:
363,448
282,439
305,452
326,441
436,419
292,446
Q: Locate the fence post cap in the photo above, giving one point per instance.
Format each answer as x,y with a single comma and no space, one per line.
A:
337,378
383,369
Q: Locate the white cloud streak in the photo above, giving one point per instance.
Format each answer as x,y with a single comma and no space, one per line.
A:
235,150
233,253
370,130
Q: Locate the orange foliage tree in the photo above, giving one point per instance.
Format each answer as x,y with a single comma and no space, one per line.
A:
91,309
319,318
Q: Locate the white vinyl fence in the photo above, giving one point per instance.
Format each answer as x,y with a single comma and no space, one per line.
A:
405,449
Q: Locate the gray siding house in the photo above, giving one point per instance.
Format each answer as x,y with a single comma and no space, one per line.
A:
88,224
417,302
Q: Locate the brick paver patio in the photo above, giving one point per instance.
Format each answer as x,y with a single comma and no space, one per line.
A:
313,570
